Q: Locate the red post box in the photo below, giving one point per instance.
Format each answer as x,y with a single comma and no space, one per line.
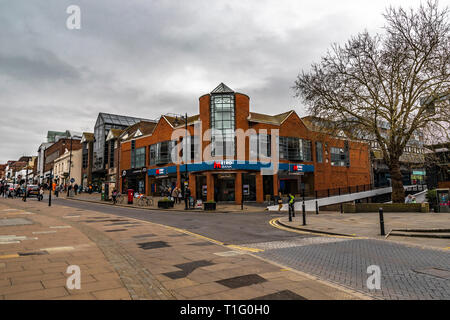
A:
130,196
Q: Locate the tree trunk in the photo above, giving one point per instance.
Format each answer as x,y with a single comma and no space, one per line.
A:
398,192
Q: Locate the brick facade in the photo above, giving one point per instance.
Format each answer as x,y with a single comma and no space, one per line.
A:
323,176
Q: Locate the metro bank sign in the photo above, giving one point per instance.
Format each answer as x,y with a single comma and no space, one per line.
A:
223,164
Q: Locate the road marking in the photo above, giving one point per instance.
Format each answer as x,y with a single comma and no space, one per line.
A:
9,256
57,249
232,246
274,223
43,232
60,227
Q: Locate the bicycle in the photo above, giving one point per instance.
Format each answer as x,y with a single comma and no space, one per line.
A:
120,199
144,201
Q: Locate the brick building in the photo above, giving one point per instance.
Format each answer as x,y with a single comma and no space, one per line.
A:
56,150
308,160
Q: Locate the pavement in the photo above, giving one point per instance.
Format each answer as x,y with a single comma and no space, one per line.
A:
121,257
220,207
367,225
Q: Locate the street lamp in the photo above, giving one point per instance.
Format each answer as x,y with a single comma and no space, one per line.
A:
26,184
70,163
186,176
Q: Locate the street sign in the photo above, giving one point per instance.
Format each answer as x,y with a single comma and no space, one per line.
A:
72,180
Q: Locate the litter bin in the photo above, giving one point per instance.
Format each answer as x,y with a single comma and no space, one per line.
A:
130,196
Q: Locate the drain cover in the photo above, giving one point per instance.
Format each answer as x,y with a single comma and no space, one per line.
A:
115,230
187,268
144,235
435,272
153,245
281,295
242,281
200,244
14,222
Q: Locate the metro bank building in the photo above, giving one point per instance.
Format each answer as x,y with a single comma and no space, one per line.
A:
308,160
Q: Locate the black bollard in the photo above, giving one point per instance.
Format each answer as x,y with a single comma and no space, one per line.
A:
342,208
381,222
317,208
304,213
290,213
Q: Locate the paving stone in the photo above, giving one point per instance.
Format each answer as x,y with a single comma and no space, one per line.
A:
242,281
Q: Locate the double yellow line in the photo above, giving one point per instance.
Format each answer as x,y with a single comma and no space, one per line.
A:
274,223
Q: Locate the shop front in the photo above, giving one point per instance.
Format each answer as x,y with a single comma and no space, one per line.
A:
134,179
161,180
230,180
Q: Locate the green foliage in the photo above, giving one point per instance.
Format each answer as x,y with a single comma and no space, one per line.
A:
432,196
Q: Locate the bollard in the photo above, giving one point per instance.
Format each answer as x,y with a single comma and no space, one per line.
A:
304,213
317,208
290,213
293,210
381,222
342,208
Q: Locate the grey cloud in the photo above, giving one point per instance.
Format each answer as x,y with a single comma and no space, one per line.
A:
146,58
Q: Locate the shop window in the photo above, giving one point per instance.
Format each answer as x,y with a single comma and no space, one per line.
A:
319,152
338,157
160,153
222,120
260,146
294,149
111,154
138,158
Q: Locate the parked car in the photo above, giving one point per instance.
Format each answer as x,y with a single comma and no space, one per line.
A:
32,190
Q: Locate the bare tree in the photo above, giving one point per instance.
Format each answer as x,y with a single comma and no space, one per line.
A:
399,78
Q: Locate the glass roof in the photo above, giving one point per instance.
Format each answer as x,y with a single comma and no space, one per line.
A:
119,120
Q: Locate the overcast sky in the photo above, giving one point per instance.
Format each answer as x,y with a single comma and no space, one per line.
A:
147,58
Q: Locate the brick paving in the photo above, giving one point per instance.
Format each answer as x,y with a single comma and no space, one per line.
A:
345,263
127,264
368,225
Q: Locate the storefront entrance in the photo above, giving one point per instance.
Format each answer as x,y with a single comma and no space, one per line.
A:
224,187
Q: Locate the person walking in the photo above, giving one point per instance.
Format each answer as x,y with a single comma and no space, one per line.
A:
41,194
280,201
291,203
175,195
179,195
114,195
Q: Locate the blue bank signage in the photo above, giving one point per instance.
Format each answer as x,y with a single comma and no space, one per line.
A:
230,165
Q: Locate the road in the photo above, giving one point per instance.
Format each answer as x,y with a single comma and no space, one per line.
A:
406,272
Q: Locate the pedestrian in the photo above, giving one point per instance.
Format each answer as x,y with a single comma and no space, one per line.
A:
114,195
291,203
187,194
408,199
41,194
179,195
175,195
280,201
90,189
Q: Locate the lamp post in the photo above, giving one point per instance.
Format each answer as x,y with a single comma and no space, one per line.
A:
186,176
26,184
70,163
